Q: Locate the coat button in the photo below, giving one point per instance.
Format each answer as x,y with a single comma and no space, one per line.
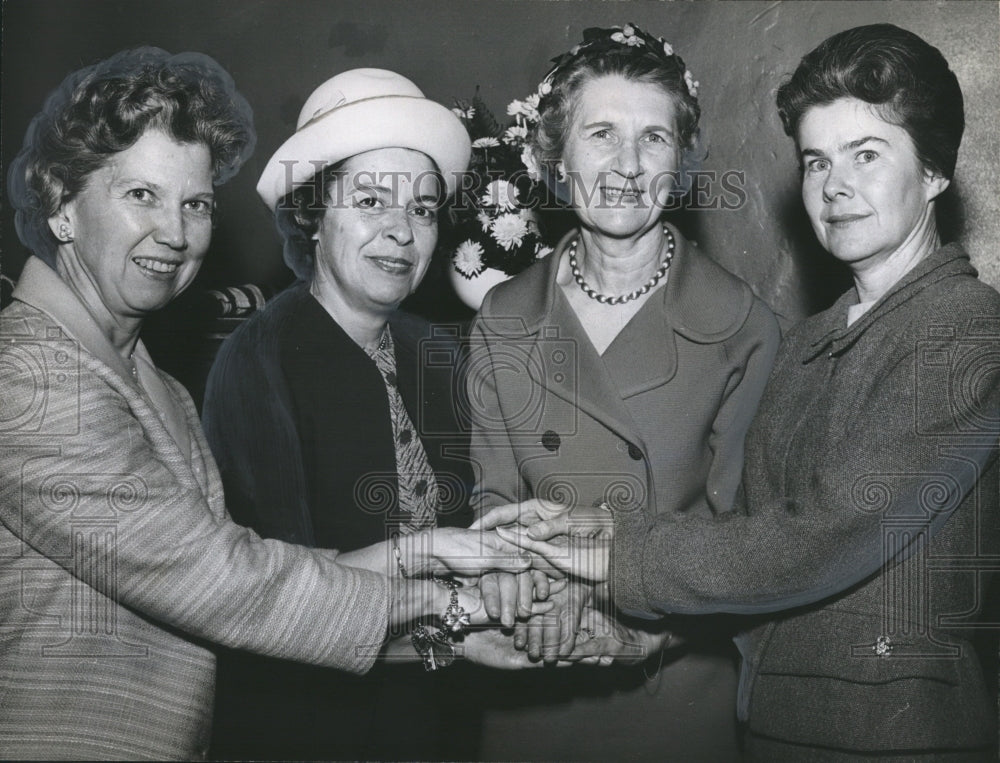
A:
551,441
634,453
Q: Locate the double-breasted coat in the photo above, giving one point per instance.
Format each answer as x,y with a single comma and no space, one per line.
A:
654,426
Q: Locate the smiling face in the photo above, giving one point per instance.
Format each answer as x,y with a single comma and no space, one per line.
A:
866,193
379,229
140,227
621,155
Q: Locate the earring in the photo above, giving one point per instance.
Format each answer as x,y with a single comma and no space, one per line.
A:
560,173
65,233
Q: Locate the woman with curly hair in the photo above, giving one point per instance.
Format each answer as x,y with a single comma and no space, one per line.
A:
119,562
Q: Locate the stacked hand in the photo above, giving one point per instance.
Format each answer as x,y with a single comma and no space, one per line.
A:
563,541
569,550
537,569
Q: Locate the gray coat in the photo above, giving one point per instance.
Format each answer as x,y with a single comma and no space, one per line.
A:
655,424
868,516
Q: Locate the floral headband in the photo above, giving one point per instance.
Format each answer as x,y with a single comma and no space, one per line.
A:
597,39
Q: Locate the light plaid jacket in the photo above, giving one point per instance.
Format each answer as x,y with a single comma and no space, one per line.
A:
118,561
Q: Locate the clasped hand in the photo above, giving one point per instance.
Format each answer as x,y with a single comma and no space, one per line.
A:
569,550
540,568
561,540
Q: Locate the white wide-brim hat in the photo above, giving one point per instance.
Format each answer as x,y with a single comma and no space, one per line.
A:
363,110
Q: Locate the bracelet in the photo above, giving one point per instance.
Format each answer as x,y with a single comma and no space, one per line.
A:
399,557
435,649
455,618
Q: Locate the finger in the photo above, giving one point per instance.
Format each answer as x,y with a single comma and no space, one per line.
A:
536,628
521,539
570,618
521,635
514,561
557,586
549,528
540,508
541,582
554,555
498,515
552,637
489,589
525,594
508,599
541,607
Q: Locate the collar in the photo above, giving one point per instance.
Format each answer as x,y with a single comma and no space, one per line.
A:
828,331
701,301
41,287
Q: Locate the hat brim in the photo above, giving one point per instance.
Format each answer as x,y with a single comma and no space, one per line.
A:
383,122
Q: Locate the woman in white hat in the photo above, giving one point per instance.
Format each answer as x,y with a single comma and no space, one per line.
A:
328,428
120,566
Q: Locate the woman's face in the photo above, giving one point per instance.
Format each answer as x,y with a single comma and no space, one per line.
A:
140,226
865,191
621,154
379,229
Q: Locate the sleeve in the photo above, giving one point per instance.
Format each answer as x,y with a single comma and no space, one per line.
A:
248,421
925,436
753,350
497,478
88,487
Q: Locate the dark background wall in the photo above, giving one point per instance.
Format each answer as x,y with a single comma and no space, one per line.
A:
740,51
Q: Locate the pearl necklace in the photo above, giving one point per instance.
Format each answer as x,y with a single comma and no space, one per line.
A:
622,299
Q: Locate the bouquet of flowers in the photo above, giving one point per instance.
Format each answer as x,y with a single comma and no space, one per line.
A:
496,210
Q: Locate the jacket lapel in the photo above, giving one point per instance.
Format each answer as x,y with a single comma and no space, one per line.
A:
559,356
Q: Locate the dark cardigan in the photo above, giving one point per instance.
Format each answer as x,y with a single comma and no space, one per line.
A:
272,709
250,420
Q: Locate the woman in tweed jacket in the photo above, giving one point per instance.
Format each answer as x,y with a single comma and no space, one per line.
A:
868,515
118,561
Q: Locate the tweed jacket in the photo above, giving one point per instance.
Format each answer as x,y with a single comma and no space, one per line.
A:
868,512
118,561
654,424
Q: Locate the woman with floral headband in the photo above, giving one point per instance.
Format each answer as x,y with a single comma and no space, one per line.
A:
868,522
624,369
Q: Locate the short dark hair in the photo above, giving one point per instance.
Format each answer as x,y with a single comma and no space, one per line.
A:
298,214
103,109
556,107
905,78
297,217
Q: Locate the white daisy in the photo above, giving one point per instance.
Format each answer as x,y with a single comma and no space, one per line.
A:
515,135
509,231
485,143
468,258
502,194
